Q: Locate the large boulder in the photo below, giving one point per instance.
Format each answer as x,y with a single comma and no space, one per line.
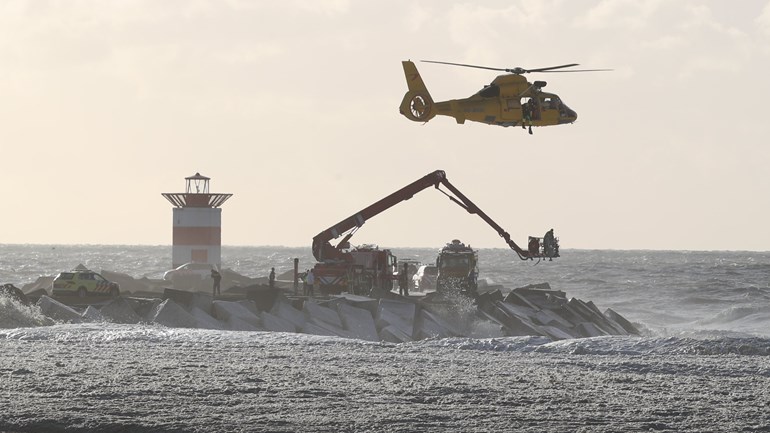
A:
552,318
430,325
274,323
35,295
594,317
171,314
588,329
204,320
226,311
92,314
323,314
44,283
402,309
622,321
393,334
319,327
180,297
513,321
263,296
58,311
119,310
358,321
286,311
314,329
363,302
398,317
556,333
144,307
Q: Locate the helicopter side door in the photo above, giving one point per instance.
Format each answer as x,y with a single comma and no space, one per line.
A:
530,108
511,109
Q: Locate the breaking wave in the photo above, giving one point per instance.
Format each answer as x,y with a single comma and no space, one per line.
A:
14,314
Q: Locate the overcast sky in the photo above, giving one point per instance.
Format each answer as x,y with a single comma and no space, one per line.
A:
292,106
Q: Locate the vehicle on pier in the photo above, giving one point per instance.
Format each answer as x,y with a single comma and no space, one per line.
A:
425,278
82,282
363,270
458,268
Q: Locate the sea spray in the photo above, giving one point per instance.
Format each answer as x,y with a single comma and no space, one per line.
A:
14,314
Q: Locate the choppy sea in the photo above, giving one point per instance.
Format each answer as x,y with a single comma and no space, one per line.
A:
702,363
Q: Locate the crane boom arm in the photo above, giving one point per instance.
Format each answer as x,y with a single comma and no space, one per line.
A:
323,250
469,206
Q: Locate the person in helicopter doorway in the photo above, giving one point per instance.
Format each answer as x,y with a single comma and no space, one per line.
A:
527,109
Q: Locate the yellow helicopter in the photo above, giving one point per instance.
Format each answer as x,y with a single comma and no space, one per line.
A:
510,100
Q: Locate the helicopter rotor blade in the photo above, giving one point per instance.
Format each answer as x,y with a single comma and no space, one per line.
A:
467,66
550,68
518,70
583,70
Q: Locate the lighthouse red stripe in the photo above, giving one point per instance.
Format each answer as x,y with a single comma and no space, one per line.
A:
197,236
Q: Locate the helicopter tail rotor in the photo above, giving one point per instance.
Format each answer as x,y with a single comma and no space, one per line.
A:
417,104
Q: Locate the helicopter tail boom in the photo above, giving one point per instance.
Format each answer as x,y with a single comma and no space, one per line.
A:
417,104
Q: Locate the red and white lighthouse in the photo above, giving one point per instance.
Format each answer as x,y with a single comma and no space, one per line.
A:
197,223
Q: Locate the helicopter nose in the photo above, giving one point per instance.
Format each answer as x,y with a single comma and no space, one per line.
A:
568,116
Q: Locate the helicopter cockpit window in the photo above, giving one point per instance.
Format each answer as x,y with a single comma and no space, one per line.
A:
490,91
551,103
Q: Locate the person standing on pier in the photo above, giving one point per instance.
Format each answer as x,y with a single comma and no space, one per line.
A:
310,280
403,281
217,278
